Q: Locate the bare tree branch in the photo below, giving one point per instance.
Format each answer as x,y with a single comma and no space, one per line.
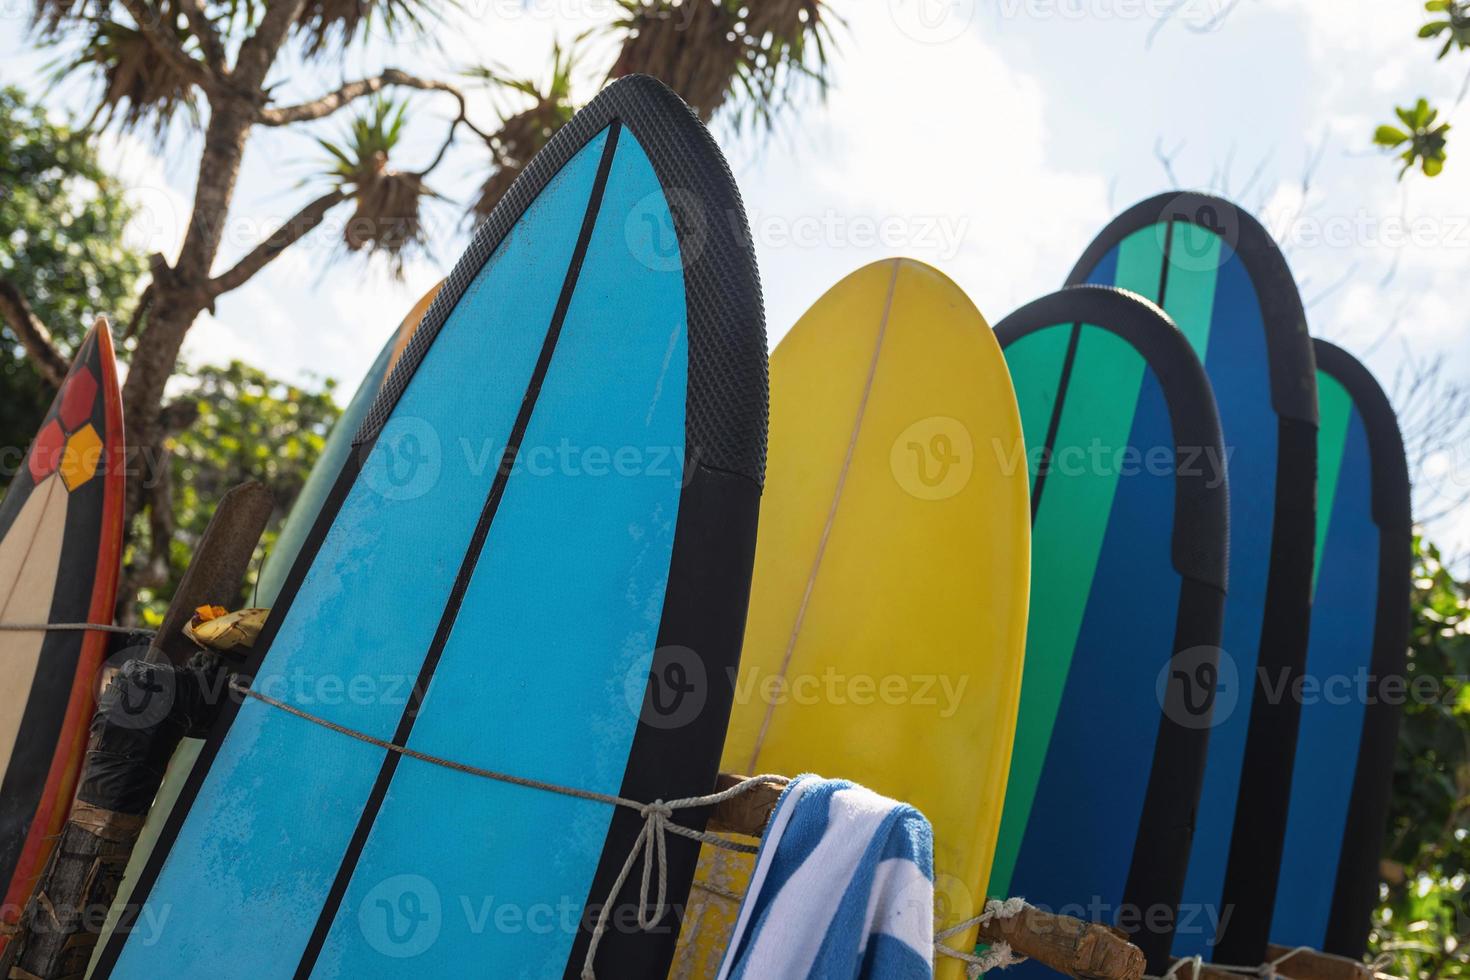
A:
33,335
209,38
327,104
1166,159
163,40
1343,280
258,51
297,227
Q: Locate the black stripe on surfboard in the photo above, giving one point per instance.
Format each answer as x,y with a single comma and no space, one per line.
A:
726,415
467,567
1048,446
1160,851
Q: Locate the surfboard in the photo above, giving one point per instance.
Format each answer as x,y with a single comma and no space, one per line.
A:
323,475
1128,549
1217,273
278,562
888,604
61,524
552,505
1343,777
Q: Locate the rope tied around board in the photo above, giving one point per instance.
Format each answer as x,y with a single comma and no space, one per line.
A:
999,955
74,627
651,843
1197,963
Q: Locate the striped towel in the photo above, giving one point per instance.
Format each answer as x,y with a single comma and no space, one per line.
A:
843,889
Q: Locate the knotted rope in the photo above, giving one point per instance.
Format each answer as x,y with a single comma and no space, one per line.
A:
651,843
72,627
999,955
1196,963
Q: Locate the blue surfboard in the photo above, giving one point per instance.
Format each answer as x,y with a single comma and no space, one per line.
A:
536,562
1129,569
1343,776
1224,282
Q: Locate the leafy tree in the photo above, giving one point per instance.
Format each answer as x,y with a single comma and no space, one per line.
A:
1454,24
246,425
1423,141
1423,924
1420,141
61,236
213,66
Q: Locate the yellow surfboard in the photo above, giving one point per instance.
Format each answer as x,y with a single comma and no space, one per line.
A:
888,605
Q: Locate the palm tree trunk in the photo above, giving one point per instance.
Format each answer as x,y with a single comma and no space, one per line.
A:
179,294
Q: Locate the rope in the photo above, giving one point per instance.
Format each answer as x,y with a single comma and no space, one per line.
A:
651,843
1197,963
68,627
999,955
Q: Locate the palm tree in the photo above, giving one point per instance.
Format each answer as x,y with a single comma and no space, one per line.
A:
211,66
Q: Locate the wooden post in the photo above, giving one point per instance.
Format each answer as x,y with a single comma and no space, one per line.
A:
217,568
61,921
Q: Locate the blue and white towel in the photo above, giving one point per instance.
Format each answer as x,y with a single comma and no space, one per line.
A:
843,890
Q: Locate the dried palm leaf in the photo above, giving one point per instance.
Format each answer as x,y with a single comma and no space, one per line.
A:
387,216
522,135
719,52
48,17
138,84
326,24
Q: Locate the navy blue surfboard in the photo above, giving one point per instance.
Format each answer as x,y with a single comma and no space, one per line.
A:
1129,532
1225,284
1360,623
536,562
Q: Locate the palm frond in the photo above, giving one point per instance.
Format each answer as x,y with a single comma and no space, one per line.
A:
522,134
329,24
387,216
137,84
716,53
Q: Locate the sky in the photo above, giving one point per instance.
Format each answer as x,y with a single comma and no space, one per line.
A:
991,138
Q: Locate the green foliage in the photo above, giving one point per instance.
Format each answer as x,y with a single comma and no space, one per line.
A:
370,137
61,227
1424,920
1423,142
1455,24
250,427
